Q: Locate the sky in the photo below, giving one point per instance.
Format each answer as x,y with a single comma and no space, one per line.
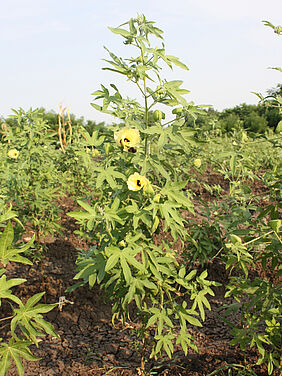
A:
52,50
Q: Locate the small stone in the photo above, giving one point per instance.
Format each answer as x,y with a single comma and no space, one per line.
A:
110,358
125,353
111,348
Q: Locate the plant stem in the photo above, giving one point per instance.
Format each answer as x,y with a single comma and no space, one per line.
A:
144,92
146,115
262,236
7,318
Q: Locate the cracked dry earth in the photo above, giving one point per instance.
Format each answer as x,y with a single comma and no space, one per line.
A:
89,344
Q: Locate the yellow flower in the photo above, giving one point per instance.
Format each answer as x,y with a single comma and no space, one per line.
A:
13,153
127,138
135,182
197,163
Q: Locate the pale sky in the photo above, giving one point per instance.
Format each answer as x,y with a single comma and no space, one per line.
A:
52,50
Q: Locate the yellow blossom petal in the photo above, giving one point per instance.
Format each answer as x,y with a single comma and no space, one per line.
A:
13,153
136,182
197,162
128,138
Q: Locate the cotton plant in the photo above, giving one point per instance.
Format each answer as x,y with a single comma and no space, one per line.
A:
27,173
26,322
139,192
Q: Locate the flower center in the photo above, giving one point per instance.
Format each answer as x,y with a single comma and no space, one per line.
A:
132,150
138,182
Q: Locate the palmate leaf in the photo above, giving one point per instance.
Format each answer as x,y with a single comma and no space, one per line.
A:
5,286
160,317
93,140
174,92
90,269
164,342
90,215
185,314
185,339
173,190
7,253
170,212
30,320
109,175
126,257
15,351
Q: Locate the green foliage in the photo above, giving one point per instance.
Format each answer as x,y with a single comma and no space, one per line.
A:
260,319
28,179
255,123
259,301
7,253
16,351
35,172
230,123
205,237
274,97
138,192
253,119
27,319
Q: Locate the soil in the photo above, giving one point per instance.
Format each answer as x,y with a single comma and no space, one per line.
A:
89,344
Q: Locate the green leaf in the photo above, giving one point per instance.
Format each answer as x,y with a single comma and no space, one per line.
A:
28,317
112,261
5,286
121,32
191,275
176,61
87,207
125,269
278,129
6,239
155,224
275,224
16,351
7,253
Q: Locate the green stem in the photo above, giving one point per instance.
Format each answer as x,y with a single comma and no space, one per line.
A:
171,121
278,237
140,88
7,318
146,115
262,236
144,92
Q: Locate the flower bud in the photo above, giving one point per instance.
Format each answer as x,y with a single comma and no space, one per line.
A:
122,243
158,115
235,239
107,148
157,198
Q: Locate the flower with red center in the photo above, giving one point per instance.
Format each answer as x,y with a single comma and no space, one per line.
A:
128,138
135,182
13,153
